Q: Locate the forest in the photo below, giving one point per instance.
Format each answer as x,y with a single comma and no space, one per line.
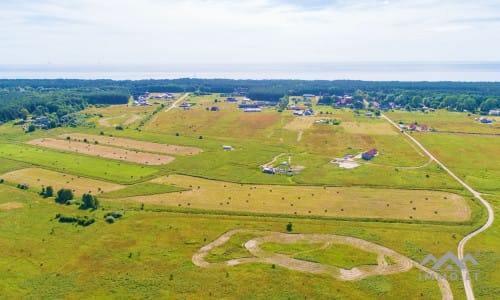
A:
60,98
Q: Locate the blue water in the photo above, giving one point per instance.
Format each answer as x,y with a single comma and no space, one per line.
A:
383,71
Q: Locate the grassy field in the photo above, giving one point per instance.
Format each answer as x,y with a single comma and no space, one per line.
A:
473,158
443,120
342,256
484,248
93,167
148,254
142,189
311,200
399,200
37,178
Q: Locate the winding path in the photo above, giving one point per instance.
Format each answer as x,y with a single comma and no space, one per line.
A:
400,263
491,216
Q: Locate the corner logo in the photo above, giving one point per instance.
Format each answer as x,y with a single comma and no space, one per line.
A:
448,257
444,267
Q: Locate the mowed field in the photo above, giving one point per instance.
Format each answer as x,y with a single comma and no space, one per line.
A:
38,178
134,144
93,167
443,120
312,201
103,151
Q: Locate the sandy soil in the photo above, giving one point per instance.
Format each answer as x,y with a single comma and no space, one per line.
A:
401,263
11,205
135,144
104,151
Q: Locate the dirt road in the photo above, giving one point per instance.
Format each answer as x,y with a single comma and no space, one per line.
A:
491,216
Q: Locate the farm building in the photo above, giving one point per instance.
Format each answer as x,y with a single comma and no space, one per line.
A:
227,148
308,97
485,121
308,112
243,106
214,108
369,154
494,112
298,113
252,110
231,99
268,170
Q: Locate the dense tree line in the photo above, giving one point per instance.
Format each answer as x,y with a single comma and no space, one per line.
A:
58,99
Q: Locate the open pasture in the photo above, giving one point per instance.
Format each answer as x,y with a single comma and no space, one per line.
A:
473,158
368,128
442,120
134,144
38,178
103,151
301,123
149,254
335,141
93,167
227,122
115,115
311,200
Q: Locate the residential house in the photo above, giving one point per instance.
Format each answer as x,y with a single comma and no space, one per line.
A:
368,155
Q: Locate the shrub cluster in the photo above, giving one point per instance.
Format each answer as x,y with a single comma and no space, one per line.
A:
79,220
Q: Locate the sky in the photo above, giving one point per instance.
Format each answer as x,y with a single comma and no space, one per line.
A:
135,32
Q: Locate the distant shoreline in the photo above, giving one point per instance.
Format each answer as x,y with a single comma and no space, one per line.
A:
375,71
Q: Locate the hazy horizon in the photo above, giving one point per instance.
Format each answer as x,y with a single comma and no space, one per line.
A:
371,71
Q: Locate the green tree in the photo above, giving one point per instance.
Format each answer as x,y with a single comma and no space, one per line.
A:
48,192
89,201
24,113
64,195
489,104
31,128
289,227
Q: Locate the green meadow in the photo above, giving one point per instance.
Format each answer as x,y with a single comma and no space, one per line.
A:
148,251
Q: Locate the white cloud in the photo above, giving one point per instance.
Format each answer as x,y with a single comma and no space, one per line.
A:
210,31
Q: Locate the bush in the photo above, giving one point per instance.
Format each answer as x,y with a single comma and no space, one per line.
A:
79,220
22,186
47,192
119,127
289,227
115,215
1,180
110,219
64,195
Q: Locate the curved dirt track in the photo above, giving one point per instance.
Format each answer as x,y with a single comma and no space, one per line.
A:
401,263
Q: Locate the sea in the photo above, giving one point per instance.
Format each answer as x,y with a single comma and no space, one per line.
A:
368,71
